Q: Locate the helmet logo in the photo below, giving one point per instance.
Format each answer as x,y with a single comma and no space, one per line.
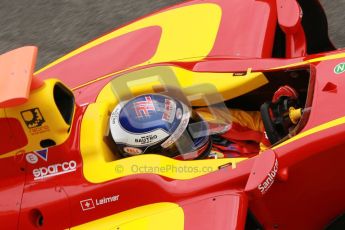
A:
142,108
148,139
169,110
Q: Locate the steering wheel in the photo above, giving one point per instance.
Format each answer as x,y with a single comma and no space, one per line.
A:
276,119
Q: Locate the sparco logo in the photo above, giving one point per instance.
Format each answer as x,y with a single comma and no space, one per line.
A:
263,187
146,139
54,170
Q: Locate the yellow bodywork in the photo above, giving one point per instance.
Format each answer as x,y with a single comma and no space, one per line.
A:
177,43
40,119
100,161
158,216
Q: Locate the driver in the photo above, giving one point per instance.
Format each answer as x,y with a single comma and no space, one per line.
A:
156,123
247,133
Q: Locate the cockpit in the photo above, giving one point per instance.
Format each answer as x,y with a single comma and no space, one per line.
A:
248,91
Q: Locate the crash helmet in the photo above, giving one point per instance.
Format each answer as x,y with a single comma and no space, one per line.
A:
159,124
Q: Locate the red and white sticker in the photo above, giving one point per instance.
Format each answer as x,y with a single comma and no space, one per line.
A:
54,170
263,187
169,111
31,158
91,203
132,151
87,204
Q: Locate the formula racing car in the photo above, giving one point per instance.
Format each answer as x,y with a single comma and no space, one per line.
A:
60,168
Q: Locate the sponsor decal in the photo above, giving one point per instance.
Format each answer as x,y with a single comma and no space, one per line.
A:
38,130
240,74
87,204
263,187
340,68
169,110
43,154
132,150
34,120
90,203
178,114
148,139
115,115
142,140
142,108
33,157
54,170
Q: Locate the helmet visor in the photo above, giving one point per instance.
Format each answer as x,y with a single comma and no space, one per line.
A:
192,143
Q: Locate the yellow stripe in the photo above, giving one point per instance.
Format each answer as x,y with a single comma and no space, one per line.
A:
326,58
158,216
325,126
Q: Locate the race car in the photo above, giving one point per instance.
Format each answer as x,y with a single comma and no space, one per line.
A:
60,168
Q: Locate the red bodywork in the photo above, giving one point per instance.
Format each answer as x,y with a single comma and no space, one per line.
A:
309,189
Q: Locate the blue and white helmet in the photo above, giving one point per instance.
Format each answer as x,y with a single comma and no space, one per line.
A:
155,123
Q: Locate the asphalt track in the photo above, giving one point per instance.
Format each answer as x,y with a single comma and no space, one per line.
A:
60,26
